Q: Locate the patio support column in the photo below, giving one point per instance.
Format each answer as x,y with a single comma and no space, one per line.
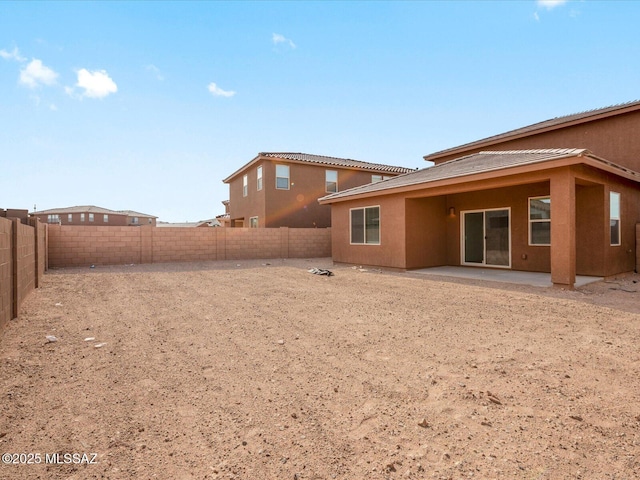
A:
563,229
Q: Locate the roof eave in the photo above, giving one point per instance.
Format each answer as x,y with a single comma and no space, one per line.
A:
518,134
257,158
261,157
586,158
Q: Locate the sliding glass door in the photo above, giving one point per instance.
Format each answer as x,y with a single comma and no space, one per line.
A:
486,238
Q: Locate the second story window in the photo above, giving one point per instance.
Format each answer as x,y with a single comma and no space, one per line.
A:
106,218
259,177
82,217
331,181
91,217
245,185
282,177
70,218
53,219
134,221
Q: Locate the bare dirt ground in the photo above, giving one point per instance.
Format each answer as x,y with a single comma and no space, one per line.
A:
269,372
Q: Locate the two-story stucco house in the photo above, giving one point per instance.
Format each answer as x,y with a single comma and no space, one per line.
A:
560,196
92,215
282,189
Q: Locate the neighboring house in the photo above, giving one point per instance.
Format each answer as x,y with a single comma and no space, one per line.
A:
561,196
92,215
15,213
212,222
282,189
224,219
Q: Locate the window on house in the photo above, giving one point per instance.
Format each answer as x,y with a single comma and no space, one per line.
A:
259,177
379,178
105,218
282,177
253,222
91,217
331,181
134,220
82,217
365,225
53,218
70,218
614,217
540,221
245,185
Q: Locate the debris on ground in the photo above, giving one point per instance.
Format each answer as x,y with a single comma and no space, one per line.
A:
321,271
51,338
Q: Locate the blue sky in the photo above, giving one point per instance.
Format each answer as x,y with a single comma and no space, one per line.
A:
148,106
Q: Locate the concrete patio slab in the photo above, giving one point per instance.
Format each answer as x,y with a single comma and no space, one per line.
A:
535,279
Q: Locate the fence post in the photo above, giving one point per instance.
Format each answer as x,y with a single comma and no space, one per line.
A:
33,222
637,247
16,265
284,242
221,243
146,243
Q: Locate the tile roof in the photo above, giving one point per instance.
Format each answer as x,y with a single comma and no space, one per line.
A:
323,160
481,162
340,162
90,209
540,127
132,213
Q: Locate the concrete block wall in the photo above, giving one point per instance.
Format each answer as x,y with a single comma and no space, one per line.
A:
82,246
25,266
251,243
22,263
6,271
638,247
305,242
90,245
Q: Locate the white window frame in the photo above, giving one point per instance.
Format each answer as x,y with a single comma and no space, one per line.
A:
53,218
463,238
538,220
82,217
365,242
288,177
135,221
245,185
251,222
613,217
91,217
105,218
70,218
327,181
259,177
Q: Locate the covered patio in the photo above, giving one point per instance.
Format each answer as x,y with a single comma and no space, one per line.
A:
534,279
556,212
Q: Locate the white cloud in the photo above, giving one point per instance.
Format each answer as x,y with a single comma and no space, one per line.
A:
36,74
276,38
96,84
12,55
218,92
549,4
155,70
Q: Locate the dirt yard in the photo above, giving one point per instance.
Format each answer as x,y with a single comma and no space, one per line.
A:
265,371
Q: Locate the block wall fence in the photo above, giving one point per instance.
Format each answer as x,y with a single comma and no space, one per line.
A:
637,247
74,246
23,261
